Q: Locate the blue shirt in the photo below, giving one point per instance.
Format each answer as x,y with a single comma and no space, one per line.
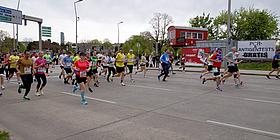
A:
164,58
68,61
276,56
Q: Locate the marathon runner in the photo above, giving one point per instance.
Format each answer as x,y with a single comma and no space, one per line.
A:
216,59
67,65
40,73
165,63
48,59
82,67
143,66
130,63
275,65
61,57
120,60
13,59
25,69
2,75
93,72
111,68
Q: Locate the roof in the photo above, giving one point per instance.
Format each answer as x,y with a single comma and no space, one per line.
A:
189,28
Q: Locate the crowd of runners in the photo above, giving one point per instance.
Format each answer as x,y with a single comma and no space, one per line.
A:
81,69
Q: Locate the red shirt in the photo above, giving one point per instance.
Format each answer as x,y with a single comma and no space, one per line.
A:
40,70
216,62
82,66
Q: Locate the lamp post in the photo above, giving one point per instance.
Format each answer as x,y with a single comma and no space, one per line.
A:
119,35
77,18
228,24
15,41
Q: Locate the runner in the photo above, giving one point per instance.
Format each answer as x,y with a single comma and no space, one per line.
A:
2,75
120,59
143,66
13,59
232,69
25,69
183,61
275,65
48,58
105,66
130,63
40,69
165,63
209,65
111,69
67,65
216,59
62,73
82,67
93,72
7,65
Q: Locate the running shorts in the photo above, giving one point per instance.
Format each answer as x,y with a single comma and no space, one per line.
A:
120,69
130,68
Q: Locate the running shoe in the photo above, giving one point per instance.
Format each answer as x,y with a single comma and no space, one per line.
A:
74,88
96,85
158,77
37,93
267,76
90,90
19,88
26,98
203,81
277,77
41,92
219,89
241,83
122,84
2,87
237,86
84,102
1,93
201,76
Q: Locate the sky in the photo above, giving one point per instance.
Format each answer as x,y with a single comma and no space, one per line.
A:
99,18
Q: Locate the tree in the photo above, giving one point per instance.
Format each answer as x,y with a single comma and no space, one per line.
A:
146,45
247,24
159,23
204,21
107,44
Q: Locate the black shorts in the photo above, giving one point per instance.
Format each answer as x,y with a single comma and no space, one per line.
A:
130,68
231,69
217,73
275,65
105,67
210,68
81,79
120,69
68,70
92,72
2,70
62,67
12,70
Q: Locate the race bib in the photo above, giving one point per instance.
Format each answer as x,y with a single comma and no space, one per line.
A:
28,70
41,70
83,73
69,64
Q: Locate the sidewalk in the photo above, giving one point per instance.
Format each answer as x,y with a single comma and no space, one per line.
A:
243,72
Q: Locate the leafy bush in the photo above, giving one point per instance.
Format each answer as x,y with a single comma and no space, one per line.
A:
255,66
4,135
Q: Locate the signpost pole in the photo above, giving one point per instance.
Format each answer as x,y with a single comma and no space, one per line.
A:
40,36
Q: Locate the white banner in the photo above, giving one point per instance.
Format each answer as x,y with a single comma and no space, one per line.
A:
258,49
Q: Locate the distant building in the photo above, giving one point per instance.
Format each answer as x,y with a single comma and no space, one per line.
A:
62,38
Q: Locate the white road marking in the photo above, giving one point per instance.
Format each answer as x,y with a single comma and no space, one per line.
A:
245,128
96,99
262,101
156,88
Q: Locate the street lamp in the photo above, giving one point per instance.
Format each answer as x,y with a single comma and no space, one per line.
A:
15,43
228,24
77,18
119,35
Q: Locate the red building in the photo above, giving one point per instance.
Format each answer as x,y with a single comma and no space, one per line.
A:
180,36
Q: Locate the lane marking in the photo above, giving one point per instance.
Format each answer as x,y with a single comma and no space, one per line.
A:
245,128
156,88
262,101
96,99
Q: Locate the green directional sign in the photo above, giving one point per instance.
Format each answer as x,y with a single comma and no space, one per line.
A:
10,15
46,31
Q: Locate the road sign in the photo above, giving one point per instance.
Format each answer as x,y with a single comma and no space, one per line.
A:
46,31
10,15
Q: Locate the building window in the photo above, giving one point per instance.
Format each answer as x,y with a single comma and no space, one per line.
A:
189,36
194,35
199,35
171,35
182,34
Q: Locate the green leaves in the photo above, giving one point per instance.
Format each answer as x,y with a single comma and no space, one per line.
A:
145,45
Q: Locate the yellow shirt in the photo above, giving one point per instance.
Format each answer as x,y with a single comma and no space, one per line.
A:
13,61
25,66
120,60
76,58
130,59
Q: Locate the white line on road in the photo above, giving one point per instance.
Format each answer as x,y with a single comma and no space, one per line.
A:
156,88
245,128
262,101
96,99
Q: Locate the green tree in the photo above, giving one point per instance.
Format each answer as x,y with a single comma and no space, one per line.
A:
146,45
247,24
204,21
107,44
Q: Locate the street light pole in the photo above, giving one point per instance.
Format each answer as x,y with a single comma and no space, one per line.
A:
77,18
17,27
228,24
119,35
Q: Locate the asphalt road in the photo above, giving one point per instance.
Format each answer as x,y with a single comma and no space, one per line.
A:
179,109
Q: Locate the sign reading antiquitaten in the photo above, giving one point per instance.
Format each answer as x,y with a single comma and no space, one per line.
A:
258,49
